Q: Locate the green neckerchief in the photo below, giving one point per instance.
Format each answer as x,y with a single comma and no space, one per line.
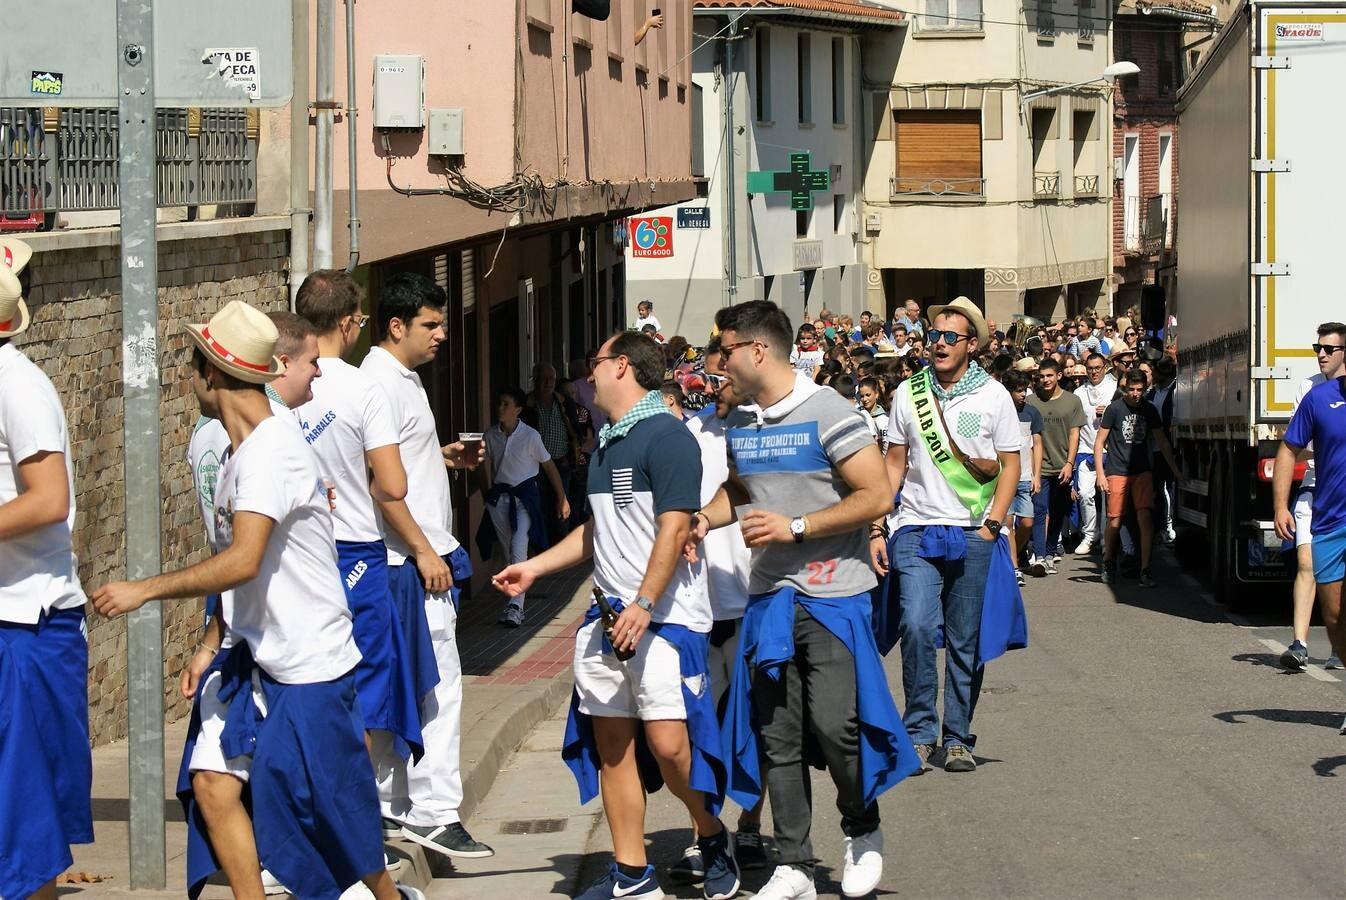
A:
973,378
923,390
274,395
652,404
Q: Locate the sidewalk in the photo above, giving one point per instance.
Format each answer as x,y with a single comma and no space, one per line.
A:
514,679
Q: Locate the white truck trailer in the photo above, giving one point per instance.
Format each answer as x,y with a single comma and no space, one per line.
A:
1261,260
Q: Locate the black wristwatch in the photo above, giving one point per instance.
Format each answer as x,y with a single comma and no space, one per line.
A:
993,526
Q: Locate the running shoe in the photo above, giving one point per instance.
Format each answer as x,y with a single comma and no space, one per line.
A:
1295,656
613,885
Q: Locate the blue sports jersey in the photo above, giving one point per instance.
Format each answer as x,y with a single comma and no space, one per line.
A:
1321,418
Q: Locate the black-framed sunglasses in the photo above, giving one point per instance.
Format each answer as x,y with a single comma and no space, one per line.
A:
1329,349
727,350
949,337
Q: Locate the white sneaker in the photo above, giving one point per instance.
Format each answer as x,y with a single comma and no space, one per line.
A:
788,883
271,885
357,891
1085,548
862,865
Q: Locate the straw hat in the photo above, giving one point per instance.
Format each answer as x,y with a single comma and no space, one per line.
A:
1122,350
1077,371
1027,364
13,311
14,254
965,307
240,341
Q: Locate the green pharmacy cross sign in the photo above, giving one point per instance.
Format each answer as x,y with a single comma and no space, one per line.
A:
799,181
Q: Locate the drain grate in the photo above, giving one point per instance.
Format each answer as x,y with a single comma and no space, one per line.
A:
533,826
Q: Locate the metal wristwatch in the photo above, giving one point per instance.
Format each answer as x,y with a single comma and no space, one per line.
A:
646,604
798,528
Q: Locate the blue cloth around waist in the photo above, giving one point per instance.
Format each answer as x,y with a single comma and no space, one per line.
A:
384,680
33,844
709,772
408,590
766,643
1004,624
526,494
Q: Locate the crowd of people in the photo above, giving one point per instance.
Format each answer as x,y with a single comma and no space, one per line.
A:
766,516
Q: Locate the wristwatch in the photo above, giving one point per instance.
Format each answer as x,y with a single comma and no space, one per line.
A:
993,526
798,528
646,604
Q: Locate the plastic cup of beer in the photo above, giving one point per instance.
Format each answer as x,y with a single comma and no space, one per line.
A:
471,441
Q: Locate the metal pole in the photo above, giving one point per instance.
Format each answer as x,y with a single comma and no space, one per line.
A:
730,189
325,109
352,195
299,198
140,433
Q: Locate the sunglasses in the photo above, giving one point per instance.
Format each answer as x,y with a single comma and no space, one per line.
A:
949,337
1329,349
727,350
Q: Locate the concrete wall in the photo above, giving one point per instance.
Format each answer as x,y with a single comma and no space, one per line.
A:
73,291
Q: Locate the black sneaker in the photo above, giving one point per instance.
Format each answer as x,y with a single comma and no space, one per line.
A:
1296,656
1147,580
450,840
722,879
1109,571
691,869
1130,566
749,849
391,828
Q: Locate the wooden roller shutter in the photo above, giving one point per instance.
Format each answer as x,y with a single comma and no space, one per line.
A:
939,144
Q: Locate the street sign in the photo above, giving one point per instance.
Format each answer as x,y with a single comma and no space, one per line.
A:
799,182
66,53
693,216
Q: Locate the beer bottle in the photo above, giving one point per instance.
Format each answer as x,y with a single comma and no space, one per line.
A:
608,617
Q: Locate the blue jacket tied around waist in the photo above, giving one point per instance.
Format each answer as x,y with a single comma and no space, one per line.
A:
580,751
1004,624
767,643
527,494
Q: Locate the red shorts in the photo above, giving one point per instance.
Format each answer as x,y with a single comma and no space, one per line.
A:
1139,489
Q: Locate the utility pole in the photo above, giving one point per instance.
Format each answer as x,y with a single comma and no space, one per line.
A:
140,424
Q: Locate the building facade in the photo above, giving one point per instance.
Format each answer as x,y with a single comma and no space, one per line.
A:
781,93
973,186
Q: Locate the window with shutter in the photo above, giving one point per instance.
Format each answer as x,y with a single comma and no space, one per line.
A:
1086,20
951,15
1046,20
938,152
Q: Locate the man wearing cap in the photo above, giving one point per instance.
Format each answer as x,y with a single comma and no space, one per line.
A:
45,767
953,452
314,799
349,424
426,566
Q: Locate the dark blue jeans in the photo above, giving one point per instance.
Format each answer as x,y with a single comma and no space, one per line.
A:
951,593
1051,508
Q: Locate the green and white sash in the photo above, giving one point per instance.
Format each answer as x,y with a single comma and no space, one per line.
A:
930,423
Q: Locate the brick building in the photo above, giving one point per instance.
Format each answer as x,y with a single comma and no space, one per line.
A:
1145,141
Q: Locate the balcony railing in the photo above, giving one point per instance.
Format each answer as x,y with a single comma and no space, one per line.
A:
928,186
1046,185
66,159
1086,185
1147,223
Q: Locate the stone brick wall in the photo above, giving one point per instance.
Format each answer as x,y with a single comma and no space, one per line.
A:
74,297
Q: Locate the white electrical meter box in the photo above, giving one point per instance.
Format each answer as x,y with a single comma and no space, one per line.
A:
399,90
445,134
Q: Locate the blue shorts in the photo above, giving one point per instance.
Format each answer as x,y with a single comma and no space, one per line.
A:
1023,501
1329,556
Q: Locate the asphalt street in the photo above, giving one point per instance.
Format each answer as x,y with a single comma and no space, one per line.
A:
1144,745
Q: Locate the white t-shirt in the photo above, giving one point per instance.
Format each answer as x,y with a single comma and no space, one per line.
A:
927,499
642,321
293,614
728,559
1091,397
428,498
348,415
38,570
806,360
1310,471
516,457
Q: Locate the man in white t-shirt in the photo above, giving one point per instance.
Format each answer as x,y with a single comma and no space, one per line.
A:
349,424
1331,364
978,416
310,775
1096,394
645,316
45,767
426,566
515,455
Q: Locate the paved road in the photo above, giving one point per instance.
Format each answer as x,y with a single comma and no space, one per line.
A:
1144,746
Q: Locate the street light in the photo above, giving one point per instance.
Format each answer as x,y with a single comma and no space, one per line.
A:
1110,74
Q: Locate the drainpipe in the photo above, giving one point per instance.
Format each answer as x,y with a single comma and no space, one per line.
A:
730,188
325,108
299,200
351,184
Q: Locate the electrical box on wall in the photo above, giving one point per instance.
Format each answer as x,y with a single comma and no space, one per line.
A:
399,90
445,135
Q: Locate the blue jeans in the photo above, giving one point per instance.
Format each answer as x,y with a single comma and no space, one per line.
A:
1041,507
935,591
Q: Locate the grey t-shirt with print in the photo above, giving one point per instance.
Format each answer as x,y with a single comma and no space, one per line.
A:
788,464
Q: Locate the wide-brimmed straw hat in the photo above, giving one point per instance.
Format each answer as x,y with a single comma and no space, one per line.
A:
241,342
964,307
13,311
1026,364
14,254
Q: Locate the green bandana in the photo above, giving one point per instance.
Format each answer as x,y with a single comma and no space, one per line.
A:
274,395
652,404
923,390
973,378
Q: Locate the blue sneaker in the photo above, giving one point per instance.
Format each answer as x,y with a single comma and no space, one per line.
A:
721,880
1333,662
1295,656
616,886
